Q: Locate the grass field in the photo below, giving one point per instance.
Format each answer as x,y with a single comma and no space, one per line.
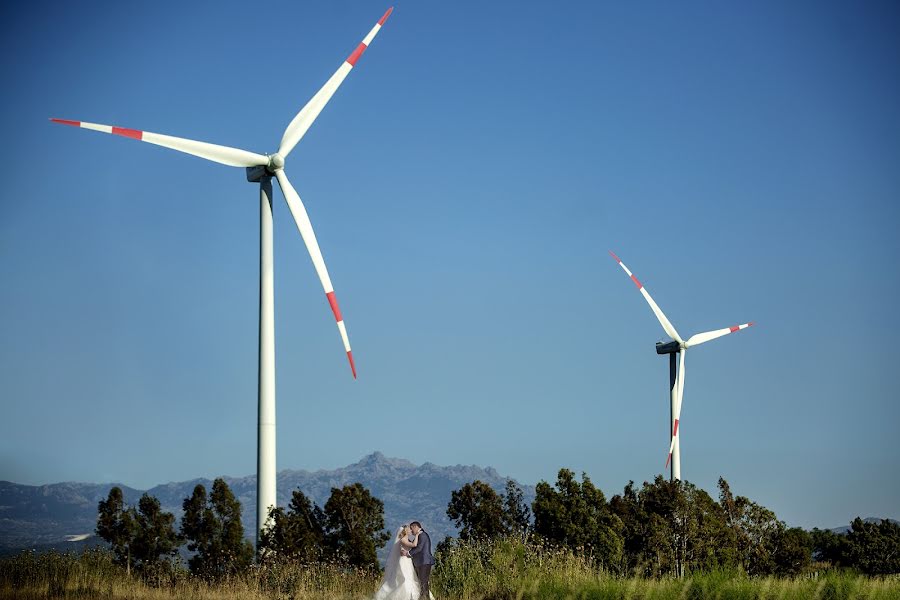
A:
507,570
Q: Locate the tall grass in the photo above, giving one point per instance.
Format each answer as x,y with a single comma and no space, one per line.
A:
516,570
500,570
94,575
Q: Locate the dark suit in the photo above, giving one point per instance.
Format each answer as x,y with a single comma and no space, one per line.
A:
423,560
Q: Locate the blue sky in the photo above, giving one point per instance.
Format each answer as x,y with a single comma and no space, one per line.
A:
465,183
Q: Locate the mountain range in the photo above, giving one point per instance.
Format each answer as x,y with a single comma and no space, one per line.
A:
63,515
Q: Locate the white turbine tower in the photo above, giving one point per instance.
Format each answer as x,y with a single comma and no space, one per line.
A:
261,168
676,381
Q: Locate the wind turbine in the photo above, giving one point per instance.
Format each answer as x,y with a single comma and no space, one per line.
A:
676,381
261,168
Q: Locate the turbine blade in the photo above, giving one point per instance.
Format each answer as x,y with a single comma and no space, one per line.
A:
660,316
679,396
701,338
233,157
312,245
307,115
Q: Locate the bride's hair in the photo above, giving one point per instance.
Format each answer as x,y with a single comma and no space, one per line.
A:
403,532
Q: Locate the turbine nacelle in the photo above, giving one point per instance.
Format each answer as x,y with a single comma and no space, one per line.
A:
672,347
276,162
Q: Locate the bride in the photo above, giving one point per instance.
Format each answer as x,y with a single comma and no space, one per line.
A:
400,581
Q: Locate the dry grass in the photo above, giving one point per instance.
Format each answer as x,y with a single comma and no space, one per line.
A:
507,570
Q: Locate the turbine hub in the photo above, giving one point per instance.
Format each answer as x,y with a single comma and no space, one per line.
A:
276,162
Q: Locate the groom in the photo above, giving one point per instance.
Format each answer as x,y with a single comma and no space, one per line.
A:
421,558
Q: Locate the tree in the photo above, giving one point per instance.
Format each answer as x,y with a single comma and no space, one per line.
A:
635,531
214,531
793,552
196,526
297,533
672,527
155,538
516,514
477,510
355,520
756,531
829,547
874,548
578,516
116,525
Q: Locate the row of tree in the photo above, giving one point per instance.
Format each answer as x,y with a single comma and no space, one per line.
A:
669,528
349,529
663,528
144,537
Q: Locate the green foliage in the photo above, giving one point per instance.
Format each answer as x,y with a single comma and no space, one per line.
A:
756,530
829,548
578,516
516,514
874,548
497,569
672,528
116,525
355,521
347,532
477,510
793,552
296,534
480,512
144,537
212,527
509,568
155,539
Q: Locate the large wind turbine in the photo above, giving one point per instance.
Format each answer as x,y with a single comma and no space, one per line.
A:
676,380
261,168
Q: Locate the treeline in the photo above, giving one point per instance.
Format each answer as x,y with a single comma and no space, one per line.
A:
661,529
667,529
347,531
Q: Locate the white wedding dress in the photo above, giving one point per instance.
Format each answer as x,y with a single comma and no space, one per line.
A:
400,581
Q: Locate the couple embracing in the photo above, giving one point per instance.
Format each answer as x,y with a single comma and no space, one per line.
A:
408,566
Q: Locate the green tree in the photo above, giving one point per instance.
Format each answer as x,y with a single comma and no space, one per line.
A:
829,547
196,526
155,538
578,516
116,525
212,526
297,533
756,531
516,514
355,521
636,532
874,548
672,528
793,552
709,541
477,510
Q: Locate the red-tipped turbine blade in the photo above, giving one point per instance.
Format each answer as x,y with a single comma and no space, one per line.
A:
301,218
307,115
660,316
701,338
233,157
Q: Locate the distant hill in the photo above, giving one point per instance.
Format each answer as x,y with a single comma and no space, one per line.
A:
60,515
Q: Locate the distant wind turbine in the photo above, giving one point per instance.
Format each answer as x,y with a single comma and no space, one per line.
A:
261,168
676,380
